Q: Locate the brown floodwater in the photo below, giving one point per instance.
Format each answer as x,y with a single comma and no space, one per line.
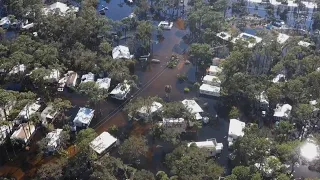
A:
152,79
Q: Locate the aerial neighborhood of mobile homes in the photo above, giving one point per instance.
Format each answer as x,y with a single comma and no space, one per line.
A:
190,90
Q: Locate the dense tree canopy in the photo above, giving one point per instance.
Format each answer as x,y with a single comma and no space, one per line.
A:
192,163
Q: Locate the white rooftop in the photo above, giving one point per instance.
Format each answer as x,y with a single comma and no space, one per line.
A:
245,37
18,68
104,83
102,142
192,106
4,20
165,24
48,112
282,38
291,3
211,78
87,77
206,144
313,102
53,138
121,89
121,52
214,70
210,88
63,8
154,107
282,110
84,116
209,144
172,121
236,128
304,43
263,98
29,110
224,35
54,74
4,131
28,26
278,77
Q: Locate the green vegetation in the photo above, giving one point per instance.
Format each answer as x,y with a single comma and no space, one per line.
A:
186,90
182,77
174,61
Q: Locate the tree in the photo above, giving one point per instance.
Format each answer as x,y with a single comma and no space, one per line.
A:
7,99
241,172
161,175
84,137
274,94
302,113
256,176
94,93
253,147
178,110
133,148
234,113
201,54
38,78
142,8
52,170
283,177
288,152
294,90
143,174
108,167
283,131
191,163
105,48
143,34
61,106
145,103
231,177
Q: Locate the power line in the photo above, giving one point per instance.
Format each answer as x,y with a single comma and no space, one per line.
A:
120,107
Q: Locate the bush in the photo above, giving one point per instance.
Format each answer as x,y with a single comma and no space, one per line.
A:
182,77
171,64
113,130
186,90
196,85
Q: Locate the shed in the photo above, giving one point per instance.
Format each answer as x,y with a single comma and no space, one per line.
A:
104,83
87,77
103,142
282,38
210,144
54,139
48,114
121,91
121,52
282,111
236,128
83,117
